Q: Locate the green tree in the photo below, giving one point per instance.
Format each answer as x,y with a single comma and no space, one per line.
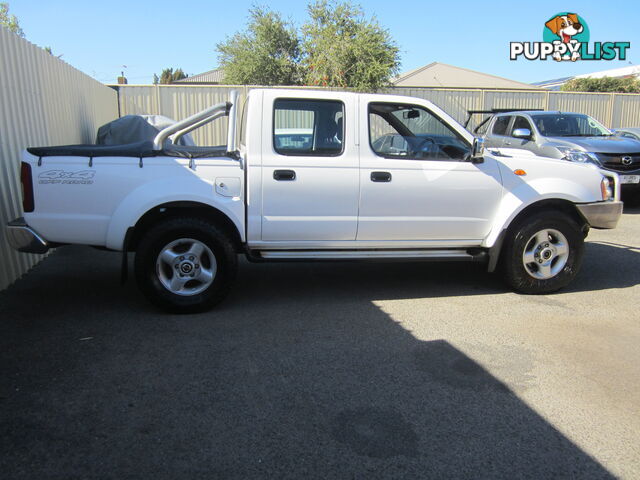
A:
9,21
156,79
168,75
604,84
267,53
50,52
344,49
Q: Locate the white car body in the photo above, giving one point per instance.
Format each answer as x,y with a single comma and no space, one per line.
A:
331,210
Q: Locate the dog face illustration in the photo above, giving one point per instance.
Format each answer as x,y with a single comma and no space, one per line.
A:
565,26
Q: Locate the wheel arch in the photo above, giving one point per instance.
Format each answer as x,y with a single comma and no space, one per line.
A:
178,209
551,204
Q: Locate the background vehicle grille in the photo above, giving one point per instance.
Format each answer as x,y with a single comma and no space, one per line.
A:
613,161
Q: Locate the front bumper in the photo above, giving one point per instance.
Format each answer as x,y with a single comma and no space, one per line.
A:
24,239
601,214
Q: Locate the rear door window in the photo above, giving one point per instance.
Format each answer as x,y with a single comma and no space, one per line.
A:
500,125
308,127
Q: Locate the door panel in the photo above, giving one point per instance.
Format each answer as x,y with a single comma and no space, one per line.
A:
428,200
310,176
431,192
497,135
521,143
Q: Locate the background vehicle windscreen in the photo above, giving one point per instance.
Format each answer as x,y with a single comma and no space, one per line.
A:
569,125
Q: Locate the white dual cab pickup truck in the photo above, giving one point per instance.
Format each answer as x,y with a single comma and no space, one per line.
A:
314,175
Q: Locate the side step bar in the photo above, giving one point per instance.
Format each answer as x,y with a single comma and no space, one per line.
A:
433,255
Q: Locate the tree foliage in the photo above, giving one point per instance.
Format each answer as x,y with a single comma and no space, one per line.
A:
168,75
604,84
267,53
344,49
337,47
9,21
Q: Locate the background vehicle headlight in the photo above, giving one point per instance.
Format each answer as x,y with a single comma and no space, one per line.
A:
606,187
580,156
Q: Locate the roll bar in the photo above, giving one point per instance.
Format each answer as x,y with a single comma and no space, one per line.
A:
185,130
202,118
231,130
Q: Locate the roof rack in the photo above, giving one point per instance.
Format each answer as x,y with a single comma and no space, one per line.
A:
493,111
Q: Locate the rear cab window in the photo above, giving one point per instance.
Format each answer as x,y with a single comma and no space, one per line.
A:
308,127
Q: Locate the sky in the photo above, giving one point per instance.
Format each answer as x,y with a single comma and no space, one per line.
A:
141,37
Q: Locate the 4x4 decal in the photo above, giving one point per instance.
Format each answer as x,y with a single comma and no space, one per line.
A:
81,177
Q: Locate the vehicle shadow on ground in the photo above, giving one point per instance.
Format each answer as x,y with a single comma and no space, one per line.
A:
607,265
631,209
297,375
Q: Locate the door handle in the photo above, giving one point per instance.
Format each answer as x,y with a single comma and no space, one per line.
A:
284,175
380,177
507,143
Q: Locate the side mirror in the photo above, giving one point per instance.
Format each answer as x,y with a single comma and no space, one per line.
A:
477,150
523,133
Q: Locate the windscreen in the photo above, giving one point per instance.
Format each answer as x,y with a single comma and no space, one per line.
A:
569,125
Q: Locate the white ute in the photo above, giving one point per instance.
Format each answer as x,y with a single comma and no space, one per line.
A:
313,175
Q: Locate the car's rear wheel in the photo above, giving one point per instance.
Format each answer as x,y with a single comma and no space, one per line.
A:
543,253
185,265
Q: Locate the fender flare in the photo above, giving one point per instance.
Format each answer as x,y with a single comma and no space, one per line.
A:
525,195
153,194
551,203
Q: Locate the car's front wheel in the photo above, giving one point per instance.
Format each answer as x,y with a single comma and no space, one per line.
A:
543,253
185,265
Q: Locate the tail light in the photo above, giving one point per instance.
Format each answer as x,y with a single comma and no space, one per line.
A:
27,187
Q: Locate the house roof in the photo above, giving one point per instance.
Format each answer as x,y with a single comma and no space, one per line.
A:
438,74
212,77
629,71
553,84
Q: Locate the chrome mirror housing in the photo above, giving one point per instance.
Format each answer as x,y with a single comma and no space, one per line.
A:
477,150
523,133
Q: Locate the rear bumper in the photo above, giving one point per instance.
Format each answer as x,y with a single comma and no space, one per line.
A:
601,214
24,239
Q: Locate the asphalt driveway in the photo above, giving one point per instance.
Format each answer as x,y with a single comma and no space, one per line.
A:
325,371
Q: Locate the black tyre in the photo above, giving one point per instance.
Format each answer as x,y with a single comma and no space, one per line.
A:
185,265
542,253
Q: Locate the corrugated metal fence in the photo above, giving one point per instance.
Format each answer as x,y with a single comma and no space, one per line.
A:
612,109
43,101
